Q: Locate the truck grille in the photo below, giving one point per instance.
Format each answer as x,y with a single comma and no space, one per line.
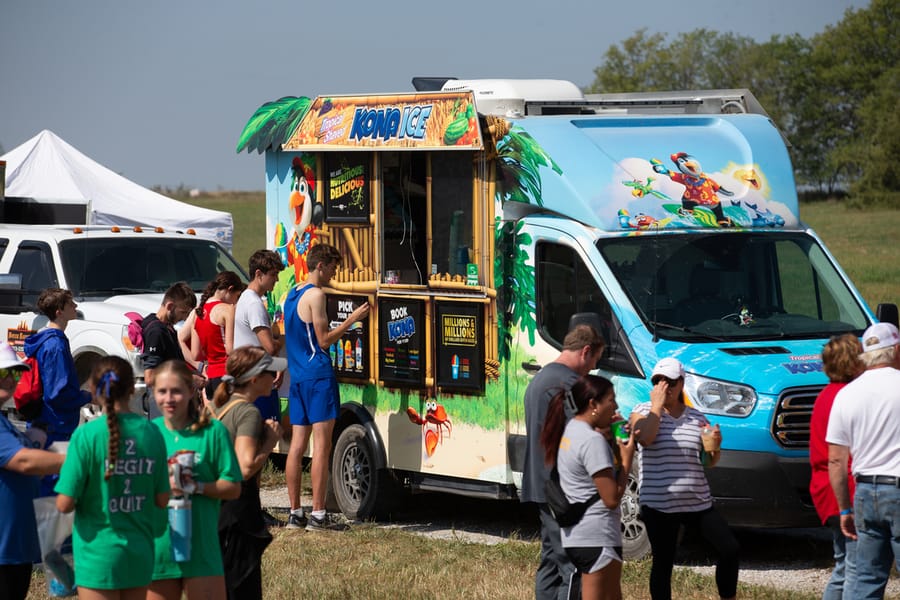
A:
791,424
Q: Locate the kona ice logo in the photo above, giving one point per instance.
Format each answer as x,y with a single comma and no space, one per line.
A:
387,123
401,326
808,363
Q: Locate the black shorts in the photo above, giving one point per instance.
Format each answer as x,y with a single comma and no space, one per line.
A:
586,559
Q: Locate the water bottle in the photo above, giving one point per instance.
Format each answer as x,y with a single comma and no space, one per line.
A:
180,528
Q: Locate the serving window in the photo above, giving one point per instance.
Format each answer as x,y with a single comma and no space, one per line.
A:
404,211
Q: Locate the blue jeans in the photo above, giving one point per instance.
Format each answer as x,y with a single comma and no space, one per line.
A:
843,577
877,517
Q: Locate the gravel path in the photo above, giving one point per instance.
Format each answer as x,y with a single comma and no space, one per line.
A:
797,560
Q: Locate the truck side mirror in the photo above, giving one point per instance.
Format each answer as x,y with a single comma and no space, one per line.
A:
887,313
619,356
10,292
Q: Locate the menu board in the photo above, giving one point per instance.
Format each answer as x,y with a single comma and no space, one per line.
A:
459,343
350,354
347,187
401,339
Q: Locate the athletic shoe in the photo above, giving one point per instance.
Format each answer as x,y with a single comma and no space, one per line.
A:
296,522
326,524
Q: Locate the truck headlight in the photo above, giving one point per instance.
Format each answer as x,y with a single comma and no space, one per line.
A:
719,397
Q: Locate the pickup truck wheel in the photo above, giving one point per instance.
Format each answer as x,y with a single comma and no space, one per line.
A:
360,489
635,541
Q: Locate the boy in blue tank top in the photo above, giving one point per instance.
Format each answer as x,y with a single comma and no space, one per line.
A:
313,397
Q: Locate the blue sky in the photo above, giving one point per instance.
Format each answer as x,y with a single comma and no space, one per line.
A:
159,91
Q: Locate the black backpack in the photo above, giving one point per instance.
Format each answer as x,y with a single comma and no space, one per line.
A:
566,513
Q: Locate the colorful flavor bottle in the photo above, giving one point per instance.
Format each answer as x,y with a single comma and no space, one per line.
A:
359,361
454,367
348,355
333,354
340,354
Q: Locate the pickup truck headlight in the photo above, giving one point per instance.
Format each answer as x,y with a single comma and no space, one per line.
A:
719,397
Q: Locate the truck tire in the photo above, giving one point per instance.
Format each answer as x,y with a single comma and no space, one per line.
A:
361,491
635,541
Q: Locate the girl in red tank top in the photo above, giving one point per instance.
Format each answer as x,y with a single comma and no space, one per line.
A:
212,337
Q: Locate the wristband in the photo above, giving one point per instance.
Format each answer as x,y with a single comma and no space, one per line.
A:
846,511
201,486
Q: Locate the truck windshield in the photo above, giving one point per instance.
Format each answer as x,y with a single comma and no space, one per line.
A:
103,266
727,286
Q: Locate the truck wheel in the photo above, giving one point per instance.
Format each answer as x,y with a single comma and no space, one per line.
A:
635,541
361,490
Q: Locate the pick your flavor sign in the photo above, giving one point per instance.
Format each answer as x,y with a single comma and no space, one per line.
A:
401,336
460,335
349,355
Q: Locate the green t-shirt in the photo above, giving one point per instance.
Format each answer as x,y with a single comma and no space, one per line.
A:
116,520
214,459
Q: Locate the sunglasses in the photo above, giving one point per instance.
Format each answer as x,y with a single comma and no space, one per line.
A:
659,378
274,374
13,373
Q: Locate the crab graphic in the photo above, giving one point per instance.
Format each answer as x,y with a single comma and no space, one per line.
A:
433,424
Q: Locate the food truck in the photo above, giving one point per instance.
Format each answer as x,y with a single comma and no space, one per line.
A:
480,218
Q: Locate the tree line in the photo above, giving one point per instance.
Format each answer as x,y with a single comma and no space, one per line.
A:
836,96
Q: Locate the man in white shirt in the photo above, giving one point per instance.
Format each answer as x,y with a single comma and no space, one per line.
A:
865,423
251,320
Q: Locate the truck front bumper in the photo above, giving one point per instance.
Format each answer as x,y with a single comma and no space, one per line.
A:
759,489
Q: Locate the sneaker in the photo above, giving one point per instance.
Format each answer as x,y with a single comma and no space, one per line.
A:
326,524
296,522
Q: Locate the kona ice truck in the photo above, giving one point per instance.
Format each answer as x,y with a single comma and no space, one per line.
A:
478,218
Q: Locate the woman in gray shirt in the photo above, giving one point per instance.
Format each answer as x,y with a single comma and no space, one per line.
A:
586,466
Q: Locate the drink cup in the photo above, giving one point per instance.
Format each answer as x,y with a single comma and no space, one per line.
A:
619,431
180,529
711,442
181,470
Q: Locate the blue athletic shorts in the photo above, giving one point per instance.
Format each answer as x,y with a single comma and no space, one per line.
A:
314,401
269,406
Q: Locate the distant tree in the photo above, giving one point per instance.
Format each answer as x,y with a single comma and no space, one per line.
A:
700,59
835,97
852,61
874,151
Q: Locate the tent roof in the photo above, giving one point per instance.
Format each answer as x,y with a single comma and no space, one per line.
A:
46,168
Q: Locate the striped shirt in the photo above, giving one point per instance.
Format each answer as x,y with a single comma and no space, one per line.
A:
672,477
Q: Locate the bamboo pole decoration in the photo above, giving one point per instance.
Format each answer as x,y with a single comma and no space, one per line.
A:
354,287
351,247
477,258
373,337
429,344
376,222
491,192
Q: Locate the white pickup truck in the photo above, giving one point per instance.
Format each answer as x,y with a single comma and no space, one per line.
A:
110,271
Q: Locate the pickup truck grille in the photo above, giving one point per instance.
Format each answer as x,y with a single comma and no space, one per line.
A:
791,423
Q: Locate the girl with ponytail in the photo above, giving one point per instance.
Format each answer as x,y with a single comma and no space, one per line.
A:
585,461
114,478
242,531
212,325
204,469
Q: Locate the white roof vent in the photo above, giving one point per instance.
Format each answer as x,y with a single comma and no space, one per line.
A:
507,97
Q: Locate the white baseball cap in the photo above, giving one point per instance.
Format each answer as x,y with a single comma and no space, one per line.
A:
670,368
9,359
880,335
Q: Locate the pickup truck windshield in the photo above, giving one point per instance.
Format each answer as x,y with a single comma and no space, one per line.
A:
733,286
103,266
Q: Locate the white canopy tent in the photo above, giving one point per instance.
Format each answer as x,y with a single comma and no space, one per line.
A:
46,169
